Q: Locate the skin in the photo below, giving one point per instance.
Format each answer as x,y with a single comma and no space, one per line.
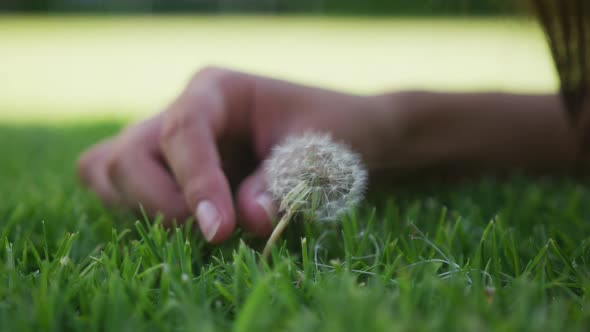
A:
202,156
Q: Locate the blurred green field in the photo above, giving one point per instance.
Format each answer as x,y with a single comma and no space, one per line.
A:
487,255
58,68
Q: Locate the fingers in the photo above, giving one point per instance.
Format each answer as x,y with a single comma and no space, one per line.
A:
188,144
133,178
92,171
257,210
215,106
143,181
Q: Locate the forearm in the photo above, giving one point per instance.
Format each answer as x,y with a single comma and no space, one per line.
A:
476,133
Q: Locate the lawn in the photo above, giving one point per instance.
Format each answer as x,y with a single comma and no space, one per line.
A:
484,255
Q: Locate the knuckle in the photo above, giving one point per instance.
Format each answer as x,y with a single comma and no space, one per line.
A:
211,76
175,122
118,163
209,72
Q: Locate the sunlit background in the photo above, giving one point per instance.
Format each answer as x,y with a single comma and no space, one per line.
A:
89,59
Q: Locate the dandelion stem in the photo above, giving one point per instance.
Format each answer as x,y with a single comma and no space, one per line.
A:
276,233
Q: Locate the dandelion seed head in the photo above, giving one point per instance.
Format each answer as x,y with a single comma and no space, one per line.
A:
64,260
315,175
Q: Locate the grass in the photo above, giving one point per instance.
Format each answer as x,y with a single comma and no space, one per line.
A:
480,256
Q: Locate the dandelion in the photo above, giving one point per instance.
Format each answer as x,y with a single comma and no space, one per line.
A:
314,176
64,260
184,277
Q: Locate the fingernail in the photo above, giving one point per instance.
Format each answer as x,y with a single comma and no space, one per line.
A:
209,219
266,202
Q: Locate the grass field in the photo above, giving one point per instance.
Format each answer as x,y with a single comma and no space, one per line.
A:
481,256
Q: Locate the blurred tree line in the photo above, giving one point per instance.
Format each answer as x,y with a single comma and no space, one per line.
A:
336,7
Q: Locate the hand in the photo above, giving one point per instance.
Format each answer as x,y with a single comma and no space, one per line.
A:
212,139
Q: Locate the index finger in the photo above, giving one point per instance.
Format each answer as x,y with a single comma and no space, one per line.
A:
188,145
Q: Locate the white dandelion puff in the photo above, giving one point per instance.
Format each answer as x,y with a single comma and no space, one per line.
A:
184,277
315,176
64,260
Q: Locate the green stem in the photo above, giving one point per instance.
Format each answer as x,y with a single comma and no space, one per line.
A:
276,234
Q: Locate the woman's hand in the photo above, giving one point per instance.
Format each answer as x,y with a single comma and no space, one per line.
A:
203,156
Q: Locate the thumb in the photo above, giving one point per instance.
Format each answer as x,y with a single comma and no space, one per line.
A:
256,208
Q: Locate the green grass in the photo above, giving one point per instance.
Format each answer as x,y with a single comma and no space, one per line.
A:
482,256
479,256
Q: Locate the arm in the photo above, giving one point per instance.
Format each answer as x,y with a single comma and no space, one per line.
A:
449,134
204,156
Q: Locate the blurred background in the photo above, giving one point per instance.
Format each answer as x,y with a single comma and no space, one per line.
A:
78,60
